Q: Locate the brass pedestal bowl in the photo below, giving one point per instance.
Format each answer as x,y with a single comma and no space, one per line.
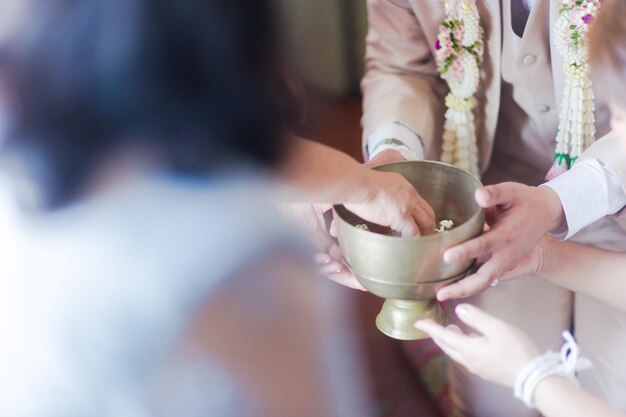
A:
407,272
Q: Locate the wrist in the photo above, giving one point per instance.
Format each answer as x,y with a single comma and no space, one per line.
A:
546,389
369,183
565,363
555,215
545,257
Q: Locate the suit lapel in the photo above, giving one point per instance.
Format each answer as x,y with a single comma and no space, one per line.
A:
491,15
557,59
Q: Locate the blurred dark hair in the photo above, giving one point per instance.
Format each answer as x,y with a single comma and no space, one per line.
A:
199,81
607,49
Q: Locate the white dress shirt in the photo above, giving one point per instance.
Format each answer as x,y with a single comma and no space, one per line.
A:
588,192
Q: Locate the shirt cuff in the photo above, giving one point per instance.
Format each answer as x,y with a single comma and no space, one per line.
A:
588,192
398,137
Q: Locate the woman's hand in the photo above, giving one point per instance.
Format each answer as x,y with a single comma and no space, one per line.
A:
329,258
497,354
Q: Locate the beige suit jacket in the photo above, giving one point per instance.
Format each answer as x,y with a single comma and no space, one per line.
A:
402,85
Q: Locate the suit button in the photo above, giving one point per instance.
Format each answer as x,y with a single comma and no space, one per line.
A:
543,109
529,60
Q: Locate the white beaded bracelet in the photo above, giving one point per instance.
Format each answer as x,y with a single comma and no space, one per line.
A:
566,364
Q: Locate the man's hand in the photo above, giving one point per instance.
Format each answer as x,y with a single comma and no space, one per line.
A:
329,258
519,217
389,200
392,201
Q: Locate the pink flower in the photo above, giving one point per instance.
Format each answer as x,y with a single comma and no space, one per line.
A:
456,70
458,35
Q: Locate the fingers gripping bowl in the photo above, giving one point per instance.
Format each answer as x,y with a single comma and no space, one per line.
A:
407,272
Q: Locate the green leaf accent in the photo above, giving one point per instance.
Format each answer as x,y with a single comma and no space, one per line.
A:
455,45
559,158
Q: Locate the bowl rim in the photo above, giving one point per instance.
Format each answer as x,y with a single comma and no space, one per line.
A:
463,274
457,230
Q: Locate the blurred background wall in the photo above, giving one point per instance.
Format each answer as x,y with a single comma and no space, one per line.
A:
326,42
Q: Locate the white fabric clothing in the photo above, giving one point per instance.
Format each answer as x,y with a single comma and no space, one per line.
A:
95,296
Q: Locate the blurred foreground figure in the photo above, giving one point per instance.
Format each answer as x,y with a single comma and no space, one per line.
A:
143,269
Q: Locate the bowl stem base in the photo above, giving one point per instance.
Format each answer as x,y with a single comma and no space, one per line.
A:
397,317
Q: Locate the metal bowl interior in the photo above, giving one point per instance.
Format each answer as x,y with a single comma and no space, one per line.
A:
413,268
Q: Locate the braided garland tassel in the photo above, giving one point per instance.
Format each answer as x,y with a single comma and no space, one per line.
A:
459,53
577,121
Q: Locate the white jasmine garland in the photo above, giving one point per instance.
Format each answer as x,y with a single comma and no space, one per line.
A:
459,52
577,122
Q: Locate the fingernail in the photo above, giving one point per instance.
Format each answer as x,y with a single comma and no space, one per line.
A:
482,192
461,310
323,259
420,324
450,257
